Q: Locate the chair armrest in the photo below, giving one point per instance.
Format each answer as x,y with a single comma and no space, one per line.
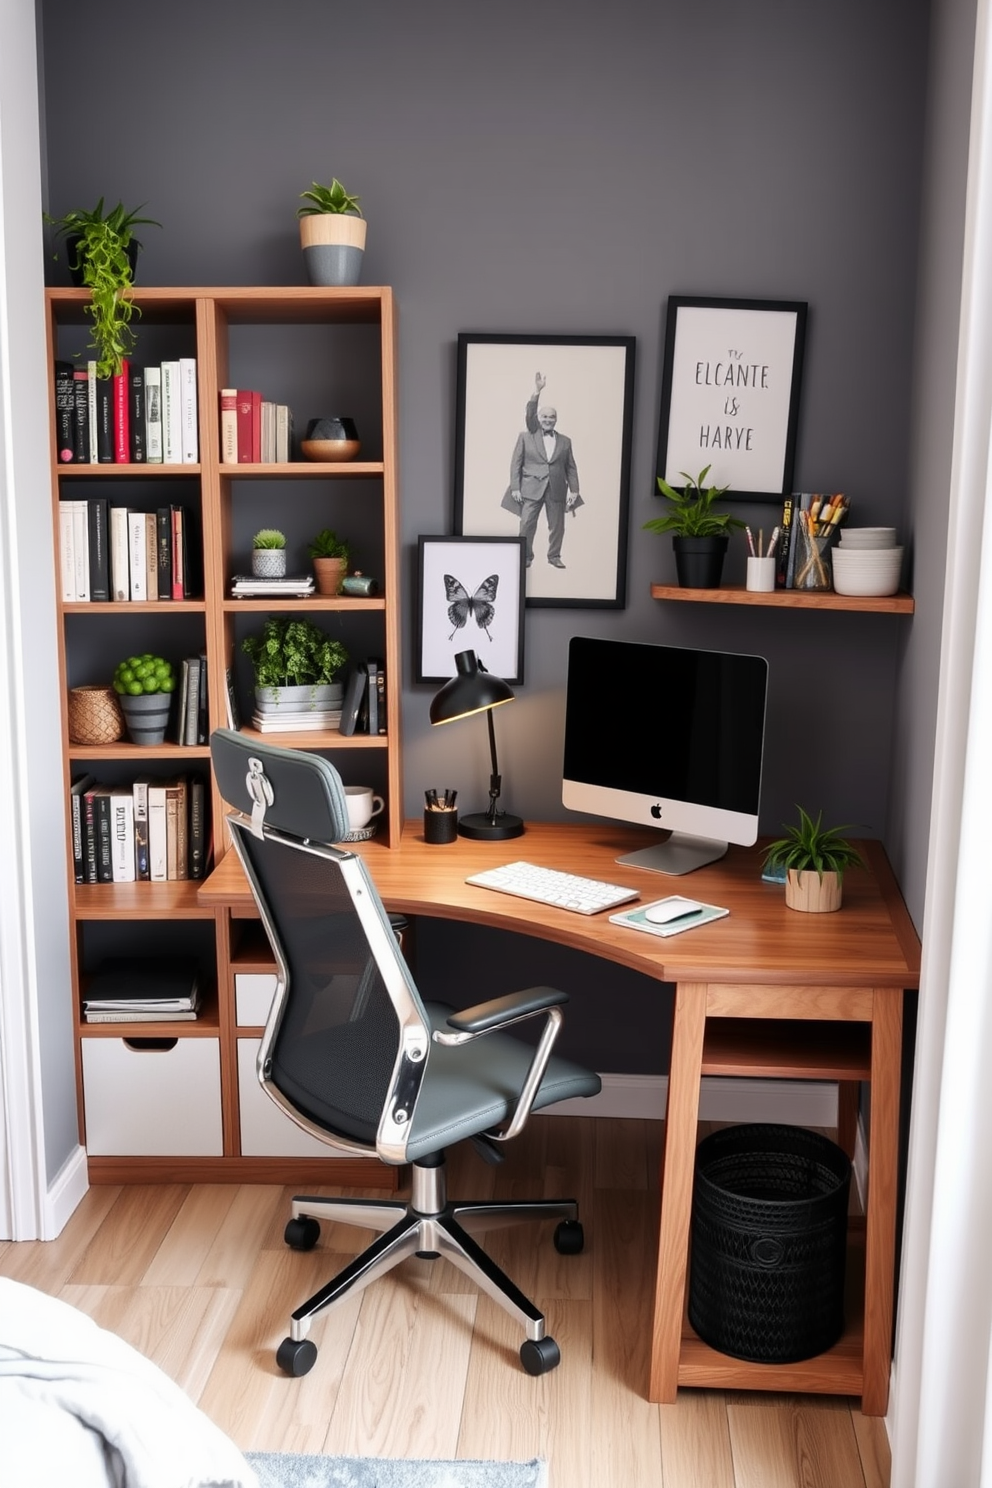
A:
503,1010
475,1022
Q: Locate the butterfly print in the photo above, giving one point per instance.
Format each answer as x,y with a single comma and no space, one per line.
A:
461,604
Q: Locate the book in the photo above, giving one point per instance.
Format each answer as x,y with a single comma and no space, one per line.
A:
157,846
77,789
267,450
81,548
145,1015
784,540
91,404
295,723
197,827
229,426
372,667
90,834
82,452
284,434
297,587
153,415
256,427
136,414
178,551
191,717
65,413
696,913
189,443
231,706
142,983
120,554
182,691
151,555
67,552
122,834
137,543
243,407
104,421
104,830
176,828
172,419
380,686
139,791
98,537
202,708
352,703
163,534
121,385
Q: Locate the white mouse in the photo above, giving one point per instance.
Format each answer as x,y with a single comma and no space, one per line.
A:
671,909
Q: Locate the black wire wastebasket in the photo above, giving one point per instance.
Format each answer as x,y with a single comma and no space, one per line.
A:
769,1242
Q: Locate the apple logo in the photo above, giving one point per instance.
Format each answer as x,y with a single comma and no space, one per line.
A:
656,812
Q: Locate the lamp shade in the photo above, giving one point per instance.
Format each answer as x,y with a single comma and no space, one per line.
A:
470,690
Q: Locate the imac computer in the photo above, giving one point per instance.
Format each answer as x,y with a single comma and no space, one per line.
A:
666,737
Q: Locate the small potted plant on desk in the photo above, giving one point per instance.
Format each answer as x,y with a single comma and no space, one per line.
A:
296,665
332,234
102,252
699,534
814,857
331,555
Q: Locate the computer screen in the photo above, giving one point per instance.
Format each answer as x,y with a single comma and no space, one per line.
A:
666,737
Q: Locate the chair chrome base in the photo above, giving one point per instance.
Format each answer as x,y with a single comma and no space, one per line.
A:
428,1225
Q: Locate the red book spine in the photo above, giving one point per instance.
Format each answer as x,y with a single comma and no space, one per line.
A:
256,428
122,415
244,427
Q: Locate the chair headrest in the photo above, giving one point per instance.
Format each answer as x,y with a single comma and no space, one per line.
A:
293,791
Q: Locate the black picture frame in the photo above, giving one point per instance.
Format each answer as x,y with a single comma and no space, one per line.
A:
470,598
589,380
730,393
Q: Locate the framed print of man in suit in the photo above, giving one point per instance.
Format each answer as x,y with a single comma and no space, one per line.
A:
543,475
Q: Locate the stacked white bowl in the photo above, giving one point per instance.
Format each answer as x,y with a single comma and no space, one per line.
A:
867,561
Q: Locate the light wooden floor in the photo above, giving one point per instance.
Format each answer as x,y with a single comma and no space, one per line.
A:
420,1365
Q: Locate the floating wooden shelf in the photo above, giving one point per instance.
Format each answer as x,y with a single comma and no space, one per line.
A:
789,599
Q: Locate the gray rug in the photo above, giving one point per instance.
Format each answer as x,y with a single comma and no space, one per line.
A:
293,1470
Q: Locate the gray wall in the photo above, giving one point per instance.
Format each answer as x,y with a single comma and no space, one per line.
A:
554,169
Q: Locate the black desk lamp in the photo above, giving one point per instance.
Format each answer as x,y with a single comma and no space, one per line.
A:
474,690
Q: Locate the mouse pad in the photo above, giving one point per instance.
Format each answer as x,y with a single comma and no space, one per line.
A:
636,919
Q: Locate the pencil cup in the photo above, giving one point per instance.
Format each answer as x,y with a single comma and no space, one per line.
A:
441,825
761,574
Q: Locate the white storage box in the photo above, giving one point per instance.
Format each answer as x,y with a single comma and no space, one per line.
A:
265,1131
148,1102
253,994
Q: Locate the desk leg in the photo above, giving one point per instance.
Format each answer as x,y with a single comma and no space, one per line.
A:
883,1178
676,1187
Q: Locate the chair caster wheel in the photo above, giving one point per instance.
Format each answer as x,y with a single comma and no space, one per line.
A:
302,1234
569,1237
296,1357
539,1356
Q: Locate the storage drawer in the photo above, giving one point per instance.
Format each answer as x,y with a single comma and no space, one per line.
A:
253,994
265,1131
143,1101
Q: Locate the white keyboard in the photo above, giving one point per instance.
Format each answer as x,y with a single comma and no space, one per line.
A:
549,886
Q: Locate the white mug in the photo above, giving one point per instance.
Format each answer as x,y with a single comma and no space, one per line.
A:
761,574
363,805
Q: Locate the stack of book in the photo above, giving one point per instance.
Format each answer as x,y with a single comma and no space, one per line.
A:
363,710
115,553
290,586
254,431
150,830
136,989
141,415
290,721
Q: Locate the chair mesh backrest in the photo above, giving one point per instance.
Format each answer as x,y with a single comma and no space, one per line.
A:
339,1035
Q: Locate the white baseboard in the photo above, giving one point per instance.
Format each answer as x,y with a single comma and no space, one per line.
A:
65,1193
799,1102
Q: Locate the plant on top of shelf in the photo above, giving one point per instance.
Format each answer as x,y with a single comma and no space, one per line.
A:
331,556
331,198
699,534
814,857
269,537
146,673
294,652
102,252
332,234
327,544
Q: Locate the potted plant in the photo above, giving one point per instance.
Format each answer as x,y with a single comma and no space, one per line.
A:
814,857
332,234
145,685
699,534
296,665
102,252
268,556
331,555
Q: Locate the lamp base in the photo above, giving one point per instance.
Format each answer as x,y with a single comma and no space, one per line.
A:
478,826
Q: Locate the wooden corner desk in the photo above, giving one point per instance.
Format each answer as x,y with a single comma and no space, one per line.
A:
764,992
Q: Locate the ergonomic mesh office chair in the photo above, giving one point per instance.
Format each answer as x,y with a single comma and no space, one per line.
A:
354,1056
